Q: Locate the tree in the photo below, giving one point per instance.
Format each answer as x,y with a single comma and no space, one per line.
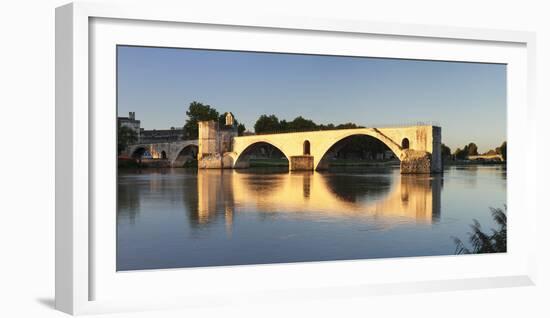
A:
241,129
301,124
198,112
284,125
126,136
445,151
461,154
347,126
267,124
270,124
502,150
472,149
326,127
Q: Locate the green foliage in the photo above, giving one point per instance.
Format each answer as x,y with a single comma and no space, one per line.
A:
481,242
445,151
126,136
347,126
502,150
472,149
241,129
461,154
301,124
221,120
326,127
267,124
271,124
198,112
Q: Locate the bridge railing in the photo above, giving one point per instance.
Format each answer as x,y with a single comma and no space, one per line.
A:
394,125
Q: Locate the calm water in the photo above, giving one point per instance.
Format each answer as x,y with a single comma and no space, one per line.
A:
185,218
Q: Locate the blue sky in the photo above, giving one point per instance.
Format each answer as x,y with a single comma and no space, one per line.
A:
468,100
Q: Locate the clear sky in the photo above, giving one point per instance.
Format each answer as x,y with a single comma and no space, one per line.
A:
468,100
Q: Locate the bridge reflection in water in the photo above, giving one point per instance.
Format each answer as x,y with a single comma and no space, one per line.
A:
175,218
226,193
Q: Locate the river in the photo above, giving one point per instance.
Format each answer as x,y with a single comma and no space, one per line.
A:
174,218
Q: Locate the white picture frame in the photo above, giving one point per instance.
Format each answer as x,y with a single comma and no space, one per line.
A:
86,281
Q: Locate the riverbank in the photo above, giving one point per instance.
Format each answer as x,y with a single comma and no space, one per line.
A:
129,163
447,163
261,163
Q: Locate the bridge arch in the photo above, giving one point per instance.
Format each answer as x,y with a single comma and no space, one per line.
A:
321,155
184,154
241,156
137,152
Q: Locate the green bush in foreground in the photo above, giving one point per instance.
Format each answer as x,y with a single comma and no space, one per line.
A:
494,242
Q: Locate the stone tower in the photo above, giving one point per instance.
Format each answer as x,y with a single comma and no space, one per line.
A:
216,143
208,139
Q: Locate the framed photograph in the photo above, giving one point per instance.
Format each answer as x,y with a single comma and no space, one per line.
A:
204,159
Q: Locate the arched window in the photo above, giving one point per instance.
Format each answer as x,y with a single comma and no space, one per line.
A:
163,155
307,150
405,143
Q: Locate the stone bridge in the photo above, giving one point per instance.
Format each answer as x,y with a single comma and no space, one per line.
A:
177,153
417,147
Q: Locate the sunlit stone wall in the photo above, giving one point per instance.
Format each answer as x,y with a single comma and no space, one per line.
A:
301,163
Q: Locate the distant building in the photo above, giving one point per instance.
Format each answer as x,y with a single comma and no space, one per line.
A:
156,136
131,123
161,135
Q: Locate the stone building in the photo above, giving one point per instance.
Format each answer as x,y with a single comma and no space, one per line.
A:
131,123
215,141
153,135
161,135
